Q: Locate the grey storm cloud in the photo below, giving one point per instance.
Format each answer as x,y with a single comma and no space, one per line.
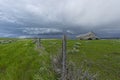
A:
57,15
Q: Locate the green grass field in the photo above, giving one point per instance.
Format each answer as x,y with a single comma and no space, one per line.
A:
99,56
20,60
102,56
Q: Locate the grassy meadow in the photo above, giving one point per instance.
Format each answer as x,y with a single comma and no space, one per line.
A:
21,60
98,56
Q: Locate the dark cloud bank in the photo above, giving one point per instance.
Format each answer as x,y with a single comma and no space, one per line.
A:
21,18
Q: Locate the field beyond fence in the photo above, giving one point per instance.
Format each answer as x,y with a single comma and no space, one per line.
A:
19,60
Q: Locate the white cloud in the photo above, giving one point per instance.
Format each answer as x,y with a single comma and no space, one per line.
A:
23,37
5,35
75,12
41,30
60,14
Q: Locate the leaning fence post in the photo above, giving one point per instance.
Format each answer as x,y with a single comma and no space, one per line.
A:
64,43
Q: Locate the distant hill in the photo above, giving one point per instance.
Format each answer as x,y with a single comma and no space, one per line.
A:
88,36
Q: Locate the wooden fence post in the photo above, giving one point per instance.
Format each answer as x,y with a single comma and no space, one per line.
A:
38,42
64,43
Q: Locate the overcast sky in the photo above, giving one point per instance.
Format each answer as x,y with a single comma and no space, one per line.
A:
21,17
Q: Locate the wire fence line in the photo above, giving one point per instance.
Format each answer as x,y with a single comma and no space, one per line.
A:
67,70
